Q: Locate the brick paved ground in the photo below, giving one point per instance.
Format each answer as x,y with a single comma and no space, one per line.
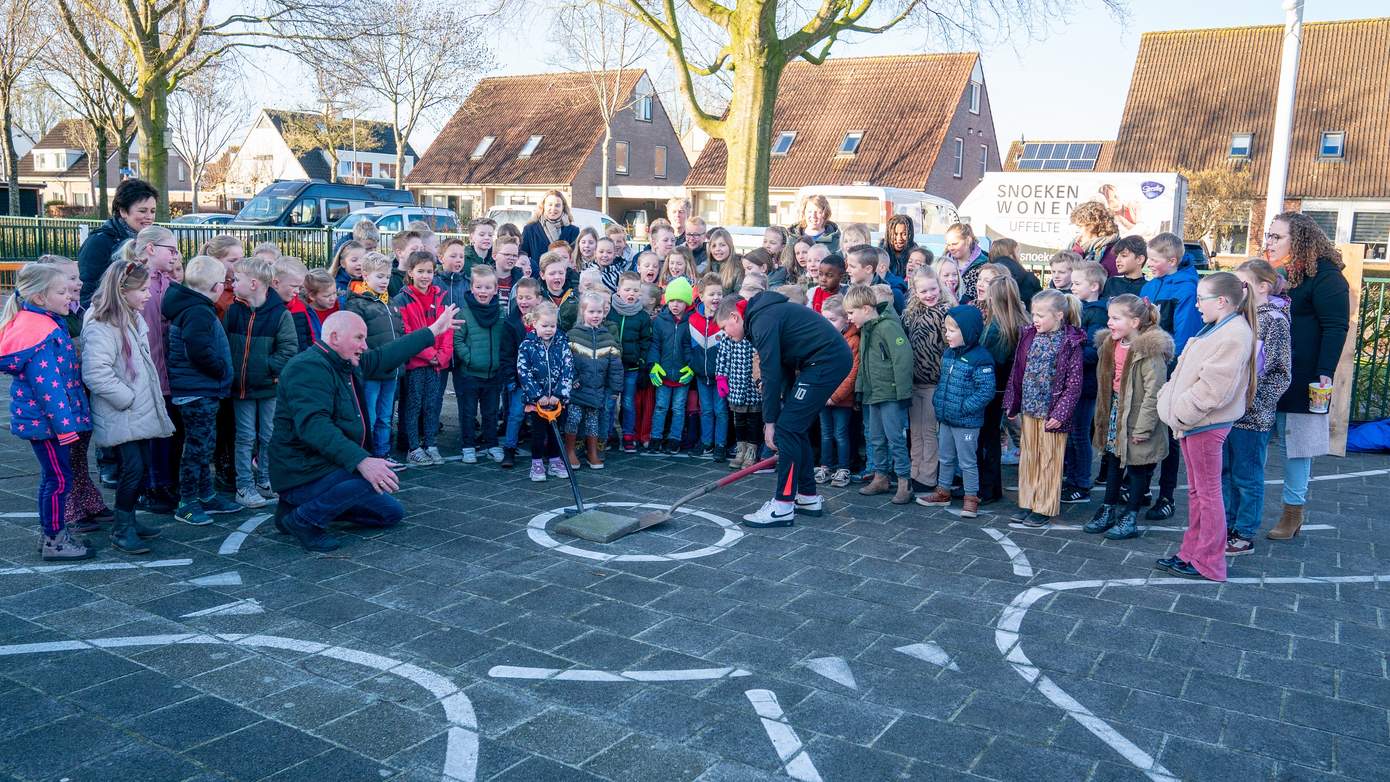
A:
396,657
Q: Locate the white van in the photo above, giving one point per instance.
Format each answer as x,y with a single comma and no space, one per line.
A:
519,216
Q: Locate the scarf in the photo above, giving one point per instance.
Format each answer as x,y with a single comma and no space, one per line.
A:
610,274
486,314
1092,249
361,288
552,227
623,308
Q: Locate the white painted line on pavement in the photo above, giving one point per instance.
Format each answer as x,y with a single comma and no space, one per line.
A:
233,542
929,652
795,760
234,608
537,532
29,514
461,749
230,578
1007,638
587,675
1022,567
16,571
836,669
1149,528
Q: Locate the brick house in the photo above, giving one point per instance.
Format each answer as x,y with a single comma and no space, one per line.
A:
920,122
1204,98
516,137
58,163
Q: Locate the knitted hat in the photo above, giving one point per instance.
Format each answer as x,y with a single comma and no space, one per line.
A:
679,289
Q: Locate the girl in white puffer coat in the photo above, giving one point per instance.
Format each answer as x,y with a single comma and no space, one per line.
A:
127,403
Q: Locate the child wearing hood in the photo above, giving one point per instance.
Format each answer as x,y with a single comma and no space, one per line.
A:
964,388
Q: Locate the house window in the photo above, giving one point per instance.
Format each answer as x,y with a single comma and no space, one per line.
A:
783,144
620,154
1240,145
344,167
850,145
80,199
386,170
959,158
1326,220
1373,230
660,172
975,97
1333,144
183,171
642,109
363,169
484,144
984,160
530,148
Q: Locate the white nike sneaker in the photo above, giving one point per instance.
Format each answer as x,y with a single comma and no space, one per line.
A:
810,504
773,513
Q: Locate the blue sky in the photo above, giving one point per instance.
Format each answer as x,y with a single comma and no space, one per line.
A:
1068,83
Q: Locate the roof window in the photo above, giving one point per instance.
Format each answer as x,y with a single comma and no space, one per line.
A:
783,144
484,144
850,145
530,148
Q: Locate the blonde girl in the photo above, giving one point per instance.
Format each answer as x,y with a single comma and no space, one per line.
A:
1132,366
948,271
346,267
719,248
1043,388
157,249
47,404
679,263
924,320
775,241
1244,452
127,405
1211,388
793,265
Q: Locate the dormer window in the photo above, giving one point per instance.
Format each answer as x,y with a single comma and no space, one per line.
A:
1240,145
783,144
850,146
1333,146
484,144
530,148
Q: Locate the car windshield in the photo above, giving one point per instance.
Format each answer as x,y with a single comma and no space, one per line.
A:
265,208
188,219
351,220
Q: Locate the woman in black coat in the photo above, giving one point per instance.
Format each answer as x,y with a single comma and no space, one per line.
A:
552,222
1319,319
132,209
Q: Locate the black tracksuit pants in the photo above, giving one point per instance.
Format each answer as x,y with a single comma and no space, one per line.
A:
802,404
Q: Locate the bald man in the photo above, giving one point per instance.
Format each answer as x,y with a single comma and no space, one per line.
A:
319,460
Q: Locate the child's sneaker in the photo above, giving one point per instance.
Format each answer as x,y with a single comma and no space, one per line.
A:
508,458
720,453
470,455
840,478
557,468
705,452
64,548
1035,520
822,474
671,448
434,454
537,470
970,506
250,498
772,514
1236,545
1071,494
418,458
650,449
218,505
810,504
193,513
496,454
266,491
940,498
629,444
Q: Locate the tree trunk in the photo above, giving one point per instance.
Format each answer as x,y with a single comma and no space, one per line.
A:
603,179
400,158
11,159
197,180
99,199
748,134
153,117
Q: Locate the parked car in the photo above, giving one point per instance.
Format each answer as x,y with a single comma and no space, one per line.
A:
313,204
394,219
521,215
203,218
1195,252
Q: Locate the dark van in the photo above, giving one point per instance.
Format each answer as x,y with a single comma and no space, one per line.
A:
310,204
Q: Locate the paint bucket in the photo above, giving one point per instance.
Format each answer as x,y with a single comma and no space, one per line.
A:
1319,397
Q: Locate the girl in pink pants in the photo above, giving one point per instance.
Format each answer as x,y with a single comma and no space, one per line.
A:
1207,393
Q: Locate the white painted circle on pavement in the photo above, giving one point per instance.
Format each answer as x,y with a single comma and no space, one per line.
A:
538,533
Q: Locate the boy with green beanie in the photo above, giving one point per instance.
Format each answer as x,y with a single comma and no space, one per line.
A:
669,360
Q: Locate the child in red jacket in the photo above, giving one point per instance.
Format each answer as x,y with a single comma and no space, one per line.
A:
420,303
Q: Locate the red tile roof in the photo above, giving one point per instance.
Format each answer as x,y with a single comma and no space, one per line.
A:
559,106
903,103
1193,89
65,134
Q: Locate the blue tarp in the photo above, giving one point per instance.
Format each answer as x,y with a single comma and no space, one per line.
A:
1369,437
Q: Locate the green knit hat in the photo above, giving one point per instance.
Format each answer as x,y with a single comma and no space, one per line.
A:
679,290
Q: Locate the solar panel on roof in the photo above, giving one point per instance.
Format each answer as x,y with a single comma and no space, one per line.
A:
1058,156
1044,151
1054,165
1029,165
1030,151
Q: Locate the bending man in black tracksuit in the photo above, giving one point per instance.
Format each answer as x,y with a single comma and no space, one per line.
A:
803,360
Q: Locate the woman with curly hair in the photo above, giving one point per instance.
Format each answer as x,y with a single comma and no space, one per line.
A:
815,223
1319,318
1096,242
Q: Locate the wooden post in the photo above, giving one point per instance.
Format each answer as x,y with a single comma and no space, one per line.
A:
1353,255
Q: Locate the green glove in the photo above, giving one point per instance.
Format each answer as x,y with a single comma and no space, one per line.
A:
657,374
686,374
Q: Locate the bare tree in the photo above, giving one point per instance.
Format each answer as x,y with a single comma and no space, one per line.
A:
422,57
756,39
1217,198
77,82
22,38
605,46
204,115
170,40
324,128
37,108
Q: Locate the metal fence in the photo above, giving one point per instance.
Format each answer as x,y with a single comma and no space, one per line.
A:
1370,393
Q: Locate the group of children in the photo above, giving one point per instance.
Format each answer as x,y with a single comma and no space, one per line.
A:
611,341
